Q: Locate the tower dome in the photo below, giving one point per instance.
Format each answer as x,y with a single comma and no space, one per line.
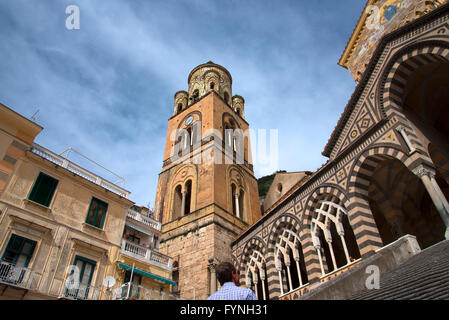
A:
207,77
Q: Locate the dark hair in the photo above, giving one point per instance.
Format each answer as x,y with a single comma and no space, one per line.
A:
224,272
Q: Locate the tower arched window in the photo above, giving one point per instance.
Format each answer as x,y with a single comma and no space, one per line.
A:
226,97
241,203
188,197
189,137
195,95
179,109
212,86
233,193
177,202
237,201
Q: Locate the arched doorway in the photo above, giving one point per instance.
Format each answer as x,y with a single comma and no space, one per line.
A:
400,203
418,88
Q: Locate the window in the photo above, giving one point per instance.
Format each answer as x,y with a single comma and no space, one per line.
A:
135,285
19,251
280,188
226,97
43,189
15,259
86,268
132,238
97,213
196,95
188,188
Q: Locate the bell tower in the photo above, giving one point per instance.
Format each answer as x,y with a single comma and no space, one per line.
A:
207,193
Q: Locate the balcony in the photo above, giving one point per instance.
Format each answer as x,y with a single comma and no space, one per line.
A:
81,292
16,276
147,221
146,255
129,291
65,163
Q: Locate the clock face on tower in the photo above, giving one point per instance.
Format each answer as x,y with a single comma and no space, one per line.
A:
189,120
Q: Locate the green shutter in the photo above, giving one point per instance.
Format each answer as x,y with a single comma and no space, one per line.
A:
97,213
43,189
15,248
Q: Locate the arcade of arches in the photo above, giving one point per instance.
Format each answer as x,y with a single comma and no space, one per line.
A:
395,189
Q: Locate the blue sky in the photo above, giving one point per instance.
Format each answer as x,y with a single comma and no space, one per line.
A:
107,89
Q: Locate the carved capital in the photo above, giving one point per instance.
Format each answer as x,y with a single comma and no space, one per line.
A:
422,170
212,264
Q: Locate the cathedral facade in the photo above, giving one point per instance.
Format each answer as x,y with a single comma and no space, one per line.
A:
383,192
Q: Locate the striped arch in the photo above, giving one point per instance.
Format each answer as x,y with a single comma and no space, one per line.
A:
359,211
393,82
278,226
285,220
310,253
311,203
255,243
368,235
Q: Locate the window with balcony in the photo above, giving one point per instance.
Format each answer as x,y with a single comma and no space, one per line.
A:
133,291
43,189
16,258
85,269
97,213
19,251
132,238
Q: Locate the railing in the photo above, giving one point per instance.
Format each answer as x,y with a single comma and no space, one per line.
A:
337,272
14,275
295,293
81,292
132,291
132,214
146,255
65,163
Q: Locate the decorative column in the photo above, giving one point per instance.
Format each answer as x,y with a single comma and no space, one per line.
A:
299,271
317,246
401,130
256,281
328,236
213,275
279,269
287,263
237,209
183,205
427,176
248,280
262,277
341,233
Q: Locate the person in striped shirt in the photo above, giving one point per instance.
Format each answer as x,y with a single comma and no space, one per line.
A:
228,277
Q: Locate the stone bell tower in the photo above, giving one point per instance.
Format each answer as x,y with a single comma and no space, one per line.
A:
207,193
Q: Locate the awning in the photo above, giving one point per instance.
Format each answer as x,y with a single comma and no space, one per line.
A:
138,229
146,274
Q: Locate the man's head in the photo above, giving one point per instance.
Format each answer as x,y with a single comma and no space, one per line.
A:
226,272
